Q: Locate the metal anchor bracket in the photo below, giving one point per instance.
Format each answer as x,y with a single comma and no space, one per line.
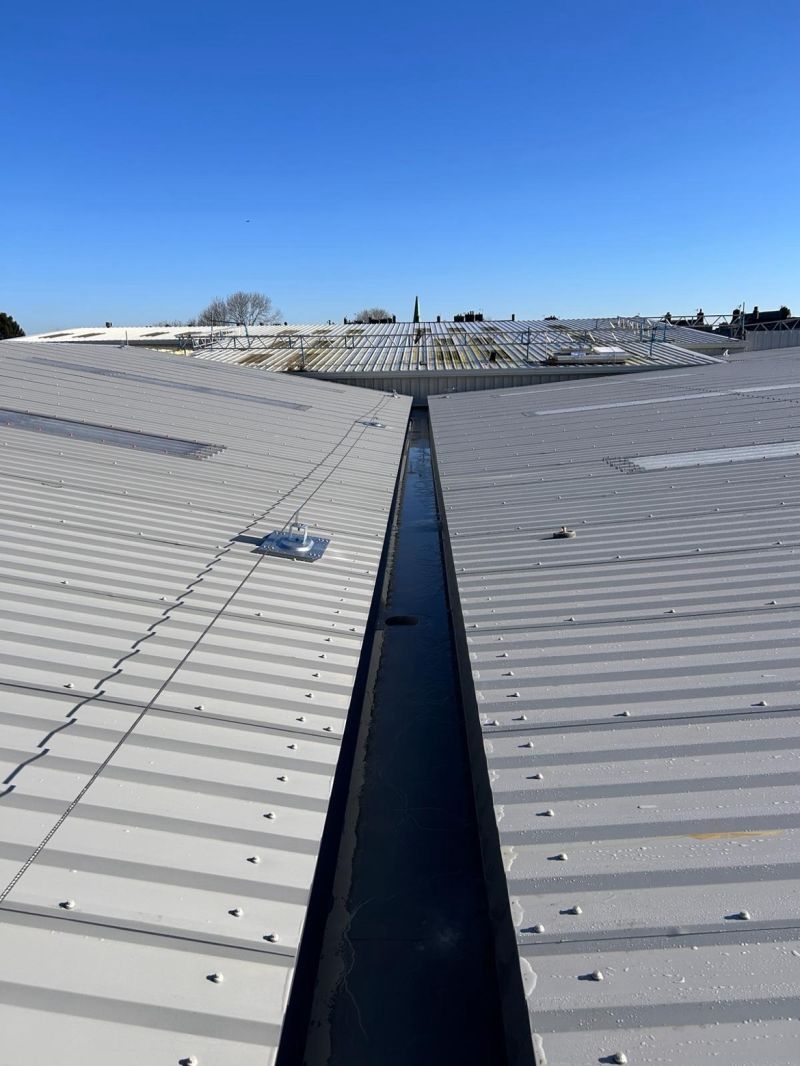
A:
294,543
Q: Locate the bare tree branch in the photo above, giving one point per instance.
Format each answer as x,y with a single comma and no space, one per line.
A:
373,314
241,309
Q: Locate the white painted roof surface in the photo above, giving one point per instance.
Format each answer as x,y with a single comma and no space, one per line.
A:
683,336
165,690
436,346
638,694
405,346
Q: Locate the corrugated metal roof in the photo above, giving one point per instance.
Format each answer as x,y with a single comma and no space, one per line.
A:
638,693
432,346
172,701
437,346
683,336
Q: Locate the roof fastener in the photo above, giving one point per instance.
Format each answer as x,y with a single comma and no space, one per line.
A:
549,813
292,747
564,532
619,1057
528,744
328,728
537,776
68,905
597,975
743,916
576,909
236,912
270,814
561,857
272,937
283,777
190,1060
255,859
216,978
761,703
538,929
200,707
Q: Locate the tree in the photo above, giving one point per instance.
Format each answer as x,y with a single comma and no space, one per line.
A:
9,327
373,314
240,309
215,314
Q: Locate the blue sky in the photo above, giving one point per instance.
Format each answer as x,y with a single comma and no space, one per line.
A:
607,157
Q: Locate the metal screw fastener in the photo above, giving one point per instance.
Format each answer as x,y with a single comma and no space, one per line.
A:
625,714
255,859
328,728
743,916
283,777
574,910
597,975
300,718
236,912
69,684
548,813
272,937
537,776
68,905
270,814
200,707
561,857
190,1060
761,703
538,929
216,978
292,747
619,1057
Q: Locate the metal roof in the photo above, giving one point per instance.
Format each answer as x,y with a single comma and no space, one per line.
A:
427,346
437,346
637,692
172,700
640,325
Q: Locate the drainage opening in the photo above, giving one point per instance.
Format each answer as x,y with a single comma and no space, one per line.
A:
402,620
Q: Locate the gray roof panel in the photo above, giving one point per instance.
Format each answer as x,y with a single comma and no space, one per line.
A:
637,692
172,701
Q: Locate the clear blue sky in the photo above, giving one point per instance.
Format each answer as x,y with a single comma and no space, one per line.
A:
591,157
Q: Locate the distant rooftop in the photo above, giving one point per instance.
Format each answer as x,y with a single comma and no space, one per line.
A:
400,347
